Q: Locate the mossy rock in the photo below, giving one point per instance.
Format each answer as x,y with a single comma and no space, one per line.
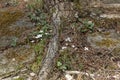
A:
6,19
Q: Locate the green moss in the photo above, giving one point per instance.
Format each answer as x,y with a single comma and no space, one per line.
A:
39,47
19,79
35,67
6,19
39,50
107,42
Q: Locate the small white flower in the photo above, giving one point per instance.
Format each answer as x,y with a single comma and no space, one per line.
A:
46,33
38,36
32,41
41,31
68,77
68,39
76,15
50,30
73,46
103,16
89,22
32,74
16,77
86,48
13,59
64,47
66,44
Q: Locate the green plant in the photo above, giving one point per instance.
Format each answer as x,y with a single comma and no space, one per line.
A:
14,42
19,79
35,67
81,66
40,20
39,47
86,26
37,16
39,50
61,66
35,4
64,61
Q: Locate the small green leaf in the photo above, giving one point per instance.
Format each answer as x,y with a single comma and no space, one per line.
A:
59,64
14,42
63,67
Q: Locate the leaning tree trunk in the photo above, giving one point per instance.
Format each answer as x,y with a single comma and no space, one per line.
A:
52,51
57,8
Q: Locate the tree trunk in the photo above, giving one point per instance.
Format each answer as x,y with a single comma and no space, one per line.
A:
48,62
57,9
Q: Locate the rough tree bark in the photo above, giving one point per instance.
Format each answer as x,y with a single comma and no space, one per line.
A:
58,9
53,44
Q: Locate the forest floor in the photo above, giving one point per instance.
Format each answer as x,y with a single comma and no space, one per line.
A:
89,48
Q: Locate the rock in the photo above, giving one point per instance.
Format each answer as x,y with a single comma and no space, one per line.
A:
108,40
13,58
15,54
13,29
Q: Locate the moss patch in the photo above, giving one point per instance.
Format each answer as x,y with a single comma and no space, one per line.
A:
6,19
39,50
107,43
19,79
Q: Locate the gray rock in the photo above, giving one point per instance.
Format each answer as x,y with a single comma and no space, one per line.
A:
13,58
108,39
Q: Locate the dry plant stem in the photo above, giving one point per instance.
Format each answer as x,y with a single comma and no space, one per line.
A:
103,5
111,5
110,16
48,62
72,72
